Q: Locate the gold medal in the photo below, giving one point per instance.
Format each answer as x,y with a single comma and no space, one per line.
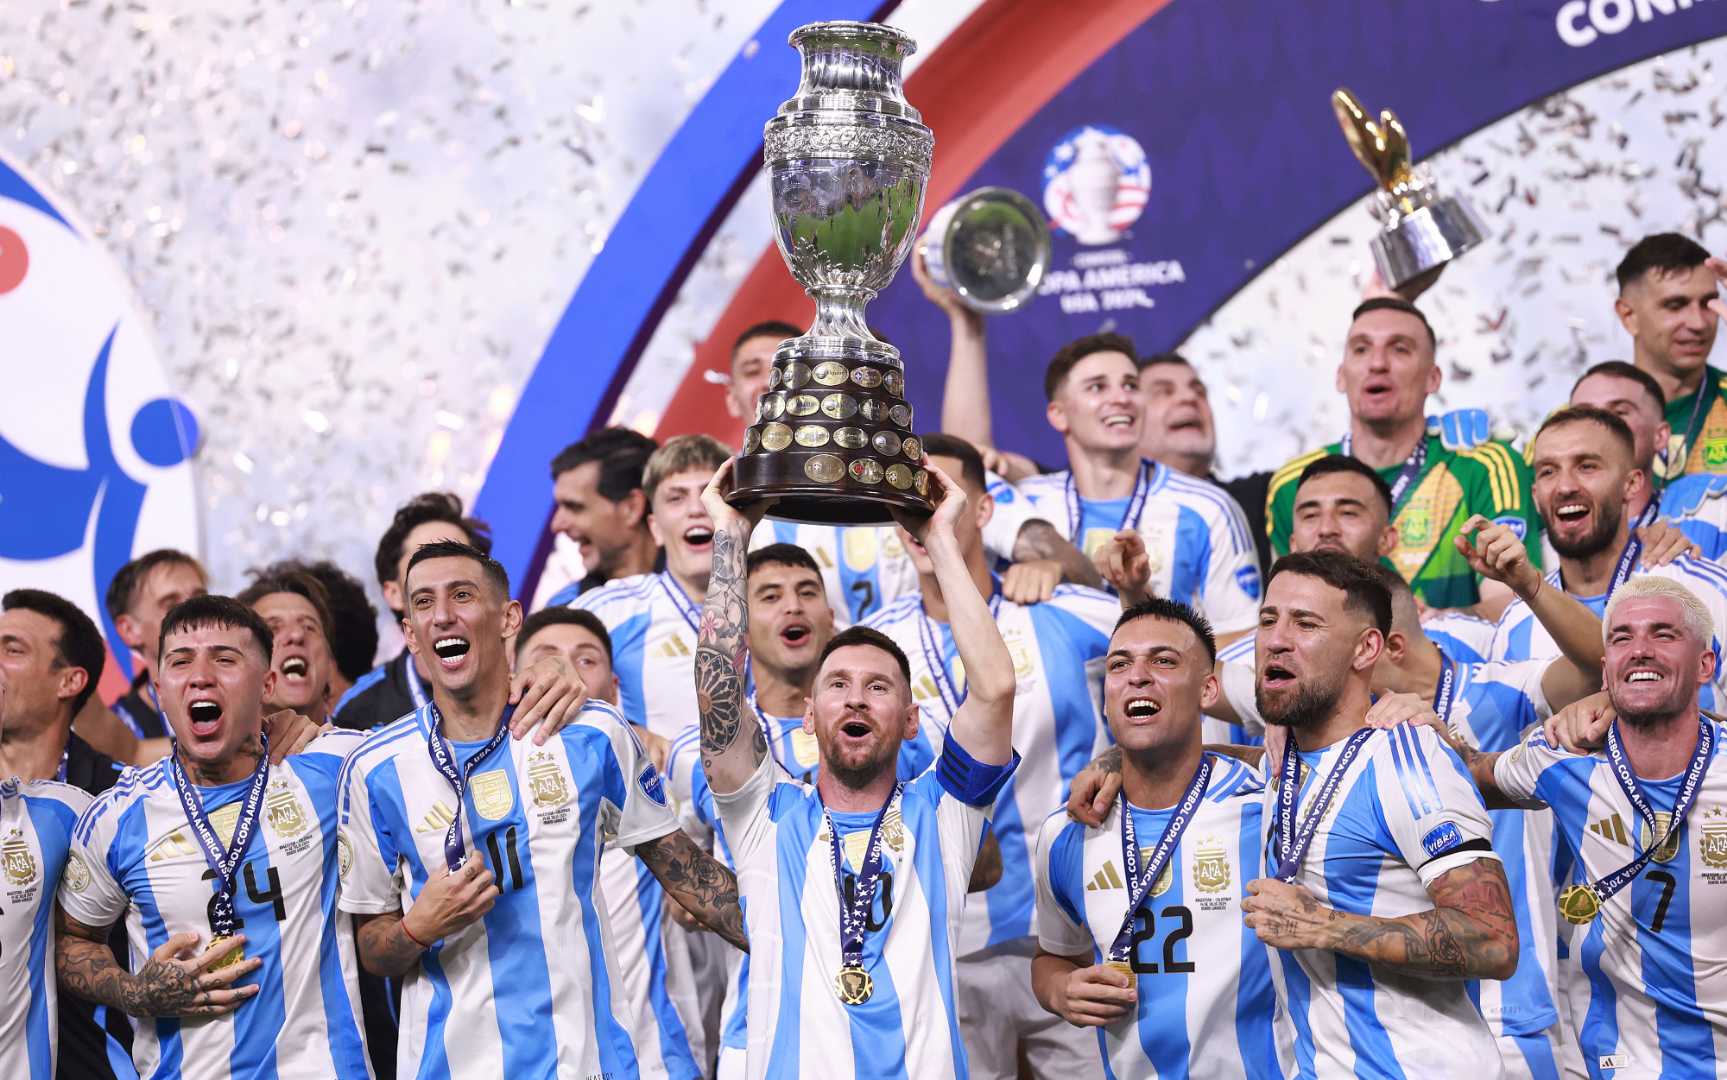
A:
853,985
1122,966
234,956
1579,904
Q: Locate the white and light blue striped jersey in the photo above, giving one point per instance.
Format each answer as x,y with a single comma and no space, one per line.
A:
1193,959
654,971
36,822
863,566
797,753
1655,959
909,1027
1464,637
1012,512
1521,636
653,624
531,988
1202,553
1057,649
135,856
1696,504
1404,814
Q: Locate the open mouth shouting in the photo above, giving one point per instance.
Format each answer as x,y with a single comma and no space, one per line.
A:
450,650
1141,708
796,634
1274,676
1573,512
856,729
294,668
205,717
698,537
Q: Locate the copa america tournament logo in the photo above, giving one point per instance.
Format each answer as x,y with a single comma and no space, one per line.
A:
1096,183
94,450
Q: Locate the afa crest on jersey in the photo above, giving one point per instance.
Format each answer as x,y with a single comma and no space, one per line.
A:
20,863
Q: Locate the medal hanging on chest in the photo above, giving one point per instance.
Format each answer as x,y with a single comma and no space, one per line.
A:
853,985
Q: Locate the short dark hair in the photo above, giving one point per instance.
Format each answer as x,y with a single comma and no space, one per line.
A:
79,644
941,444
1662,253
777,328
353,629
1162,358
1078,349
864,635
220,612
1359,582
1619,369
1343,463
289,579
1394,303
1176,612
780,555
1589,414
422,509
622,454
123,587
455,549
564,616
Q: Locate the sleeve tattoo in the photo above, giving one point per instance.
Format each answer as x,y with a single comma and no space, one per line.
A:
1470,933
699,882
86,966
720,654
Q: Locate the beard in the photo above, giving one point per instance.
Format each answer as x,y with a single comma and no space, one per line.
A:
1680,700
857,777
1308,706
1593,542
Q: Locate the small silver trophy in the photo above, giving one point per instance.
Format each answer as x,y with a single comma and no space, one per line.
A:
1422,230
848,160
990,246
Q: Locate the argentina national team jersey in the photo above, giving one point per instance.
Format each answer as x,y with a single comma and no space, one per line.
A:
1655,959
1697,505
909,1026
1206,1002
653,623
135,856
1404,814
1195,536
36,823
530,989
1057,649
863,567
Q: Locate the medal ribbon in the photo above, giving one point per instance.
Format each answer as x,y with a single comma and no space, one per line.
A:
1139,882
1406,476
1633,548
854,917
680,599
223,862
1675,464
1293,842
416,688
1688,790
952,696
444,760
1445,690
1129,517
768,732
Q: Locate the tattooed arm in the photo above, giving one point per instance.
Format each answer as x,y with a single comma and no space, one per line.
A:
1470,933
697,880
732,748
177,979
1038,539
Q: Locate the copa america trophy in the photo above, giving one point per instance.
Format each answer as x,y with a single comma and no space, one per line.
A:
1422,230
990,246
848,160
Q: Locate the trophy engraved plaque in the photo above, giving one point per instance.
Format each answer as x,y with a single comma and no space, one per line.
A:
848,160
1422,230
990,246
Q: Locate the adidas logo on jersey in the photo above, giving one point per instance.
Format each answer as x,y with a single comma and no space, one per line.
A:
671,648
437,819
1611,829
1107,878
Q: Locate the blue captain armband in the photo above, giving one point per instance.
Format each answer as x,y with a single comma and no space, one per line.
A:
969,780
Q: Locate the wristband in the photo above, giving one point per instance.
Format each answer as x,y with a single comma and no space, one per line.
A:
410,934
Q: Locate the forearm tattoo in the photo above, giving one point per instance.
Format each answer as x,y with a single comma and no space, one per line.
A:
1471,934
385,948
88,968
699,882
721,651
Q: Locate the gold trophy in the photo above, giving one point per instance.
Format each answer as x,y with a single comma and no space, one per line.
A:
1422,229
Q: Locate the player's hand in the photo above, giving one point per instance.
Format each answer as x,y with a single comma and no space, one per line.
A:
289,732
939,295
451,901
1287,916
181,980
1096,996
1125,566
1580,727
1006,464
1461,429
729,518
1092,794
950,502
1031,582
658,747
548,696
1498,554
1662,543
1392,710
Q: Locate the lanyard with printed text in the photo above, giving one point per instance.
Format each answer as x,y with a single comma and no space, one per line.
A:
1130,516
1140,880
1445,690
224,863
689,609
444,760
853,985
1293,842
1406,476
1688,790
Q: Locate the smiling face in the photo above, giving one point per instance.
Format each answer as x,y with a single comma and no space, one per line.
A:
1631,402
1098,405
1157,678
1177,421
36,687
860,712
1341,511
1388,368
584,652
213,682
1583,477
456,624
790,620
1654,662
603,529
301,658
751,364
1308,646
681,524
1667,315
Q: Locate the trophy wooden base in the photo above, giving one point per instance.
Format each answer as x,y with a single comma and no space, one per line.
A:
781,479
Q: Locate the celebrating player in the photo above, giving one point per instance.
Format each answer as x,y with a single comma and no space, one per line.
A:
295,607
471,858
854,886
1155,953
600,507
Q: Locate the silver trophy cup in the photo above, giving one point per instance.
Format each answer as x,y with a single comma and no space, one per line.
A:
990,246
848,160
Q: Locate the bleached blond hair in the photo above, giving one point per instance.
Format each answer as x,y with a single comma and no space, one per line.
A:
1693,613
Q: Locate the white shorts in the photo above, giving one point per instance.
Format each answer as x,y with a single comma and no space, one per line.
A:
1000,1020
